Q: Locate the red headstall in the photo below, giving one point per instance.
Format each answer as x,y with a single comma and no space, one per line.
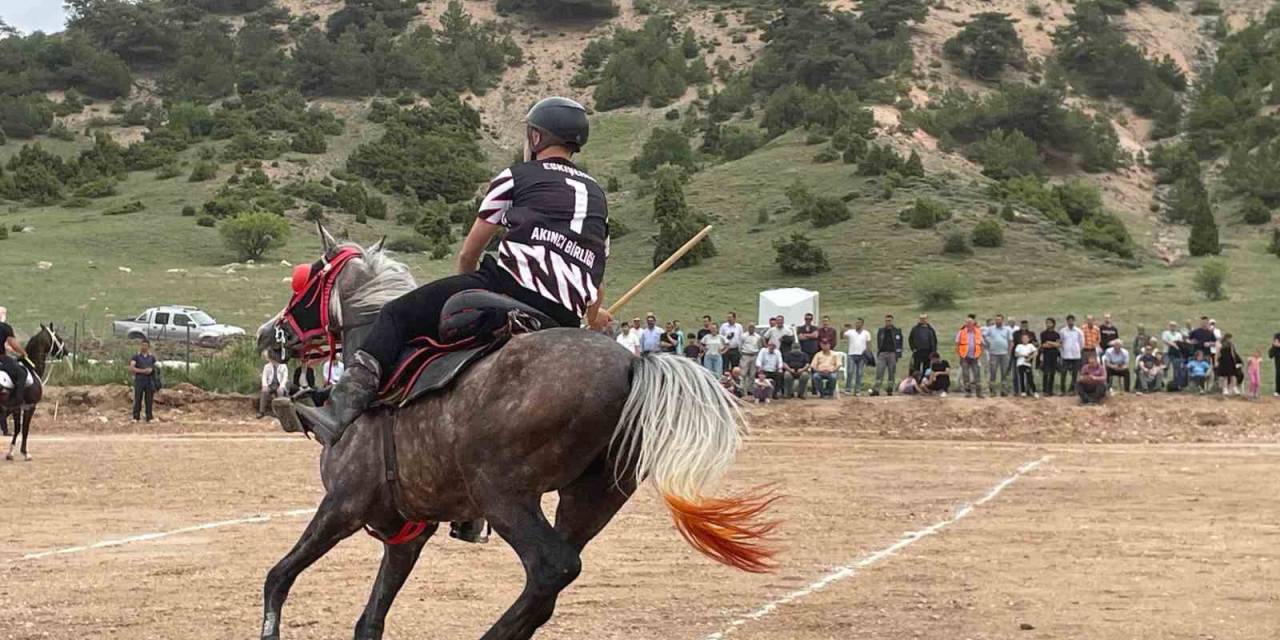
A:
308,311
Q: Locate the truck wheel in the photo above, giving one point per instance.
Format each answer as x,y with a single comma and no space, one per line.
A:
137,336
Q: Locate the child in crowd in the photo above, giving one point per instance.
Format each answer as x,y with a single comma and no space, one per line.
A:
691,348
1198,370
763,390
732,381
908,386
1025,354
1253,373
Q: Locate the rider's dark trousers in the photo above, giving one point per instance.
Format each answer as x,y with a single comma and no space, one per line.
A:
143,392
417,313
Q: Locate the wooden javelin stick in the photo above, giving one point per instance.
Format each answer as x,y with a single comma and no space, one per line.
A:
659,270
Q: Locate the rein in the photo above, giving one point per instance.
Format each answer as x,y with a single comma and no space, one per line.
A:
308,312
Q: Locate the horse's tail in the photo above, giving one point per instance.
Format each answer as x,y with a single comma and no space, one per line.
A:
681,430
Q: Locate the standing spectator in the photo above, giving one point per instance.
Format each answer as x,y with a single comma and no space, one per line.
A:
671,339
1202,339
1150,370
826,371
1230,368
795,365
1092,387
1274,354
986,357
1107,332
692,349
807,333
997,342
714,347
732,333
1217,339
1025,355
1116,359
629,339
969,347
1171,341
707,327
635,324
650,335
680,337
1142,339
859,339
769,364
1092,336
1198,370
1050,355
762,387
827,333
1253,373
1073,351
752,342
732,381
274,376
777,331
1023,328
143,367
888,350
922,341
937,376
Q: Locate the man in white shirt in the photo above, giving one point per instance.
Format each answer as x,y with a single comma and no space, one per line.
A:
651,335
859,339
752,343
275,378
776,332
770,362
732,333
1072,352
630,339
1171,340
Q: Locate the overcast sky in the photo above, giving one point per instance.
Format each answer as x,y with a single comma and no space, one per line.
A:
33,15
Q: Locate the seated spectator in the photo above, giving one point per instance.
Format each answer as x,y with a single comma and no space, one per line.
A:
1116,359
732,381
1150,370
769,363
763,389
692,349
275,377
908,386
1092,385
826,371
1198,371
937,376
795,366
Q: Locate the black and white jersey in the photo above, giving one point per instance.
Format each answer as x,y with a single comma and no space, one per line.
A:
557,221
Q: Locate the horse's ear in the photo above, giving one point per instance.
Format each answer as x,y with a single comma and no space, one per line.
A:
326,239
377,246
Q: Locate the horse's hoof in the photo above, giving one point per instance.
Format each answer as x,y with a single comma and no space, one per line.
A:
27,457
8,456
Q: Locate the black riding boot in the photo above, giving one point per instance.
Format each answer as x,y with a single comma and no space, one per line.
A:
348,399
470,531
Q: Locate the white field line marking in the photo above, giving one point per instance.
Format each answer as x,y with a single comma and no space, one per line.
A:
850,570
148,537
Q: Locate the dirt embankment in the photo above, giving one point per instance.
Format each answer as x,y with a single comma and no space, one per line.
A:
178,409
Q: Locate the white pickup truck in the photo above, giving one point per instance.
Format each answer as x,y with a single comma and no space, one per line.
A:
176,323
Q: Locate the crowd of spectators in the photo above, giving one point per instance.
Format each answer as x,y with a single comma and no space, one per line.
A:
1089,359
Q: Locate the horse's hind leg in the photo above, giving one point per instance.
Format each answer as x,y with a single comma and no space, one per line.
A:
334,521
591,501
4,423
397,563
26,431
550,565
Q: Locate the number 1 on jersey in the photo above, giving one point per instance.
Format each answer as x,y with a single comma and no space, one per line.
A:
579,205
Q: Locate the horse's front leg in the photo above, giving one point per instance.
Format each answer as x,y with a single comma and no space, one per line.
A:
336,519
398,561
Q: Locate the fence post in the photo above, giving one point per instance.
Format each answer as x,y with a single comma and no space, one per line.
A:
75,344
188,352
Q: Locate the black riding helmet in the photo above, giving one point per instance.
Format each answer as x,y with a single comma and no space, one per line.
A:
562,121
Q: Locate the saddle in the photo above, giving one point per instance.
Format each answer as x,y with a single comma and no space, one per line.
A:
473,325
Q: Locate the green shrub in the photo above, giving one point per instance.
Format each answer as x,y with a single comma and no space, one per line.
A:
1274,247
612,185
168,171
1211,279
664,146
207,221
430,151
97,189
988,234
824,211
986,45
188,211
956,244
253,233
1204,235
925,214
1256,212
798,255
409,244
936,288
313,213
676,222
309,140
1107,232
4,232
203,171
126,208
1005,155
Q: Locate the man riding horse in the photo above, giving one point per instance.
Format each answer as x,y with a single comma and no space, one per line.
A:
16,372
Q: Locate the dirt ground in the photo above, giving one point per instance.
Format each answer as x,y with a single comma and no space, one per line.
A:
1146,518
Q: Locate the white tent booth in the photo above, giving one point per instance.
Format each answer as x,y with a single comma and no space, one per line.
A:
791,303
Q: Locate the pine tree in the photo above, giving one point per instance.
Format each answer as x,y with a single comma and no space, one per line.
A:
914,166
676,224
1204,234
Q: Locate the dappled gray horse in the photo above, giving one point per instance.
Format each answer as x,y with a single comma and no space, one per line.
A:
561,410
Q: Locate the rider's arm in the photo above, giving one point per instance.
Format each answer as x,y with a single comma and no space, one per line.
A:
597,316
473,247
13,345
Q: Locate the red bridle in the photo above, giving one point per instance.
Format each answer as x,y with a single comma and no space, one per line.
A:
307,313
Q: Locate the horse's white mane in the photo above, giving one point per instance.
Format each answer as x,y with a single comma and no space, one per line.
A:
391,279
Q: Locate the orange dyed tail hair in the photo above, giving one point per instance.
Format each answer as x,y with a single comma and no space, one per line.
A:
728,530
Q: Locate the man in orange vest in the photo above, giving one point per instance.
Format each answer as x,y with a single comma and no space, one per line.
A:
969,348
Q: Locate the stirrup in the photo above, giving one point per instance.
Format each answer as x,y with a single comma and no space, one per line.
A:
474,531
